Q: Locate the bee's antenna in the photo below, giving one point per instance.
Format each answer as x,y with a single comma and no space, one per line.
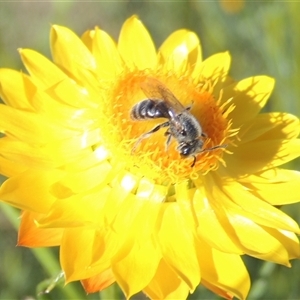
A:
215,147
208,149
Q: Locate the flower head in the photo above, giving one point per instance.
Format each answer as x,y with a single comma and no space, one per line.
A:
130,209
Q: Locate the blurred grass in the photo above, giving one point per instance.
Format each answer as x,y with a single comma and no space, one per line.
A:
263,38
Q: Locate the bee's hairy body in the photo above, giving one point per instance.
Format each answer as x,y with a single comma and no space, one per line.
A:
182,125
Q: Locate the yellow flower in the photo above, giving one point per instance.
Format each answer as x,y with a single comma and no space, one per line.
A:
138,213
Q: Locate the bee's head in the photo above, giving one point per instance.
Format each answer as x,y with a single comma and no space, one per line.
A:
190,148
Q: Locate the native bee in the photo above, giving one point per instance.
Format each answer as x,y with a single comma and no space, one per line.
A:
182,125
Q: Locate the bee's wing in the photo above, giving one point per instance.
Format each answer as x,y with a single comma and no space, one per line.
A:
154,89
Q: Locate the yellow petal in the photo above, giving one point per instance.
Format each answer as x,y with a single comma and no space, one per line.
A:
68,212
270,126
135,222
62,114
41,69
9,168
177,244
130,264
129,246
270,136
217,290
166,284
136,46
120,197
275,186
13,90
226,271
17,192
98,282
107,56
85,158
134,213
72,94
76,264
288,240
47,76
245,213
181,48
198,213
79,62
62,39
87,179
249,97
30,235
30,127
87,38
106,245
216,233
257,156
27,155
215,68
256,209
257,241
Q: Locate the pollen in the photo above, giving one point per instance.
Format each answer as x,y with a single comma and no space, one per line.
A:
152,154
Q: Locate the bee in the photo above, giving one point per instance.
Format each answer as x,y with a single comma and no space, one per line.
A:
182,125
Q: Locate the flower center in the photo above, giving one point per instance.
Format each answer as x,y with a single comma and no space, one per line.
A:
166,127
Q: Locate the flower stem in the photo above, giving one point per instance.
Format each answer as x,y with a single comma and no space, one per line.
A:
260,285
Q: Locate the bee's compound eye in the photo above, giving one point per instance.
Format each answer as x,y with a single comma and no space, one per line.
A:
183,132
191,148
185,149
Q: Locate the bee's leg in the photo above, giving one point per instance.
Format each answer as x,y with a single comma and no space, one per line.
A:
188,108
194,161
147,134
168,141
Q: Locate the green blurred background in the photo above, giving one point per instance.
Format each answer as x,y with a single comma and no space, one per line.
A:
263,37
